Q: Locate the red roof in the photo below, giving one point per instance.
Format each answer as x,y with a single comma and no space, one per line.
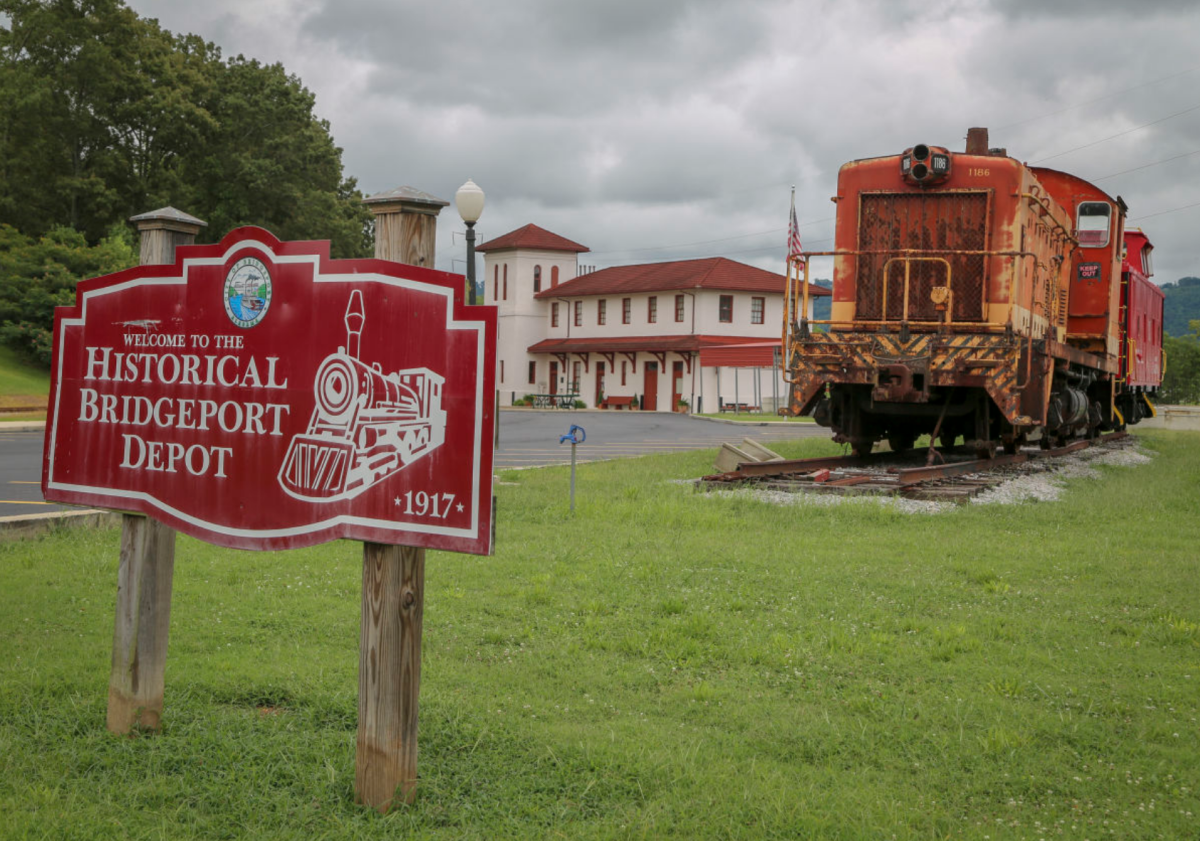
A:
632,344
531,236
709,273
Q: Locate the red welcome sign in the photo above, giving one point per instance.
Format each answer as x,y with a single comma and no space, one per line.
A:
259,395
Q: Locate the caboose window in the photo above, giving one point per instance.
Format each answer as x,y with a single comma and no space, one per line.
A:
1093,224
1147,264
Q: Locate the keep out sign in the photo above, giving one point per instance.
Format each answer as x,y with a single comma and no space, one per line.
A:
259,395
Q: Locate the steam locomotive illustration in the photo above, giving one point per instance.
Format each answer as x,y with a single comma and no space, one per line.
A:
975,296
366,424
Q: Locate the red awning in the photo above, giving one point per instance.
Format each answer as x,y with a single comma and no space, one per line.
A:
748,355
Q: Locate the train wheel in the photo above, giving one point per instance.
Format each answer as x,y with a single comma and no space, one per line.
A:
1011,447
985,449
947,439
861,446
901,442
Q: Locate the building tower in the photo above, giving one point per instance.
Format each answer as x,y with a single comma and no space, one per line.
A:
516,266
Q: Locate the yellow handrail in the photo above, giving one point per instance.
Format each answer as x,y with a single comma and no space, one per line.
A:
907,274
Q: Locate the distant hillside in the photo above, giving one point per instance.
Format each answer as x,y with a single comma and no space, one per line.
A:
822,305
1181,305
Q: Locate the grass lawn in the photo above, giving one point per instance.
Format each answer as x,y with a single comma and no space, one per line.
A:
662,664
21,385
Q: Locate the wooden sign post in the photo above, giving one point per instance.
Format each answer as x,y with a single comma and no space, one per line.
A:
393,582
256,394
147,566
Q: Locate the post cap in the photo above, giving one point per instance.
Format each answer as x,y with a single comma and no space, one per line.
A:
168,217
409,197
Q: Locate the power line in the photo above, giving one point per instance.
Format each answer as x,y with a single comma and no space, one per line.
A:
686,244
759,250
708,241
1119,134
1146,166
1165,212
1099,98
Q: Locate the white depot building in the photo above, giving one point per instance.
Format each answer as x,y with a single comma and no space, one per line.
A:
701,331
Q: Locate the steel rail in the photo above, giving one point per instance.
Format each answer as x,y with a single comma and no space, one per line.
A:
916,475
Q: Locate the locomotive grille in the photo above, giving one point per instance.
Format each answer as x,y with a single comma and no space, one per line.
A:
924,222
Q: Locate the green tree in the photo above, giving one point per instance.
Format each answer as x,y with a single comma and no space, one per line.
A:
270,161
104,114
1181,381
37,275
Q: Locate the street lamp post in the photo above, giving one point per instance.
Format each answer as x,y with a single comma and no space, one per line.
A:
469,200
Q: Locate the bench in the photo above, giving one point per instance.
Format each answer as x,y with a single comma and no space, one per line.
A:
741,407
554,401
628,402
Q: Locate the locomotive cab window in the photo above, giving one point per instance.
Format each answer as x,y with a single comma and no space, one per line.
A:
1093,225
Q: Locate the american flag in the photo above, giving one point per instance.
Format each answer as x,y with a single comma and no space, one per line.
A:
794,247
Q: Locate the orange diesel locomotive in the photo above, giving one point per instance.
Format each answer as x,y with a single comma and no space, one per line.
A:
975,296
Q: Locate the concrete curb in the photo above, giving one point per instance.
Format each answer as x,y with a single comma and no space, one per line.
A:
780,424
1177,418
28,525
21,426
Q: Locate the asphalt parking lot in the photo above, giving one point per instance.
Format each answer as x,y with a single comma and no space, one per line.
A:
527,439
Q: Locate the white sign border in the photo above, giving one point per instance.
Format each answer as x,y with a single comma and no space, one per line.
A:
471,533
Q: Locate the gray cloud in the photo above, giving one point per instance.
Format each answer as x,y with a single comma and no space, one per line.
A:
629,126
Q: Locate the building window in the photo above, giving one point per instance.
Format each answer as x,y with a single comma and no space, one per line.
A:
553,276
726,309
501,370
652,309
575,377
624,366
505,286
579,313
601,311
532,373
757,305
495,283
679,308
626,310
554,314
537,278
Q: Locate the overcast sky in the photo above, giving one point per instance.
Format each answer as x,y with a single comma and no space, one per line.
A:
667,129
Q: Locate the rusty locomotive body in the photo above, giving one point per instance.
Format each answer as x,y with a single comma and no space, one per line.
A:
976,297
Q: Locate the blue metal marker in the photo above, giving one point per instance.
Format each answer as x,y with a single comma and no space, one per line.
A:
576,436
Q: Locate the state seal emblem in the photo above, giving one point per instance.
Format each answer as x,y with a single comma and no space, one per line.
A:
247,292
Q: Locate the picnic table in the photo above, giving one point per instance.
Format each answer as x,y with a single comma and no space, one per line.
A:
554,401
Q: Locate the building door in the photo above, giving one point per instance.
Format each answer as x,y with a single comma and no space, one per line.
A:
650,386
676,383
599,384
554,378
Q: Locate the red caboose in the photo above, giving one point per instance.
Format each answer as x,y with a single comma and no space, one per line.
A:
1141,353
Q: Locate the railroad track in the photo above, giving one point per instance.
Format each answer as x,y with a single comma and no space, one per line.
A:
957,478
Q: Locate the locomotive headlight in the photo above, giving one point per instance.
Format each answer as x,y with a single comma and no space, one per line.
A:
925,164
